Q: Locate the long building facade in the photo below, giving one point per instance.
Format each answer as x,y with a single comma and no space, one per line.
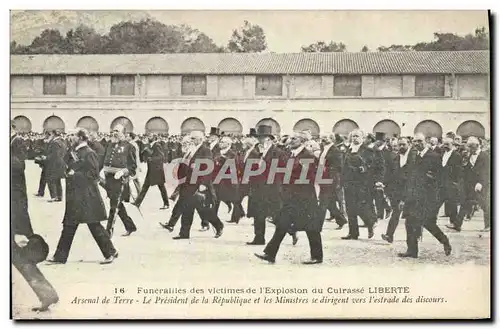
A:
395,93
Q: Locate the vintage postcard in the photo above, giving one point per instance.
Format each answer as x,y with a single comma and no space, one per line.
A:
250,164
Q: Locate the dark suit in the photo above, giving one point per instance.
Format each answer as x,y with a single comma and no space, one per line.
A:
21,224
360,171
474,174
155,157
43,179
100,151
381,204
56,167
84,204
451,185
227,190
396,181
189,192
265,199
328,193
421,200
300,210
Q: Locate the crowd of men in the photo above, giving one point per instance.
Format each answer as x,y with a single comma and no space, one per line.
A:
372,177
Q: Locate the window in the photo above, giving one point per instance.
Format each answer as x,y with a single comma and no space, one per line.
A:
193,85
269,85
123,85
54,85
347,85
472,86
429,85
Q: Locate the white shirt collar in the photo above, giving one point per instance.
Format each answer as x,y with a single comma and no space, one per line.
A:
355,148
264,153
422,153
403,158
224,151
298,150
83,144
212,145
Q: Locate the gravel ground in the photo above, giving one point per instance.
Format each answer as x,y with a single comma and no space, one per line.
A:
150,256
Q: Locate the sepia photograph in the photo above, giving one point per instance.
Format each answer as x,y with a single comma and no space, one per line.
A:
250,164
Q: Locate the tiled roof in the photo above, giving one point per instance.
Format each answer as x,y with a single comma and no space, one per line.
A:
257,63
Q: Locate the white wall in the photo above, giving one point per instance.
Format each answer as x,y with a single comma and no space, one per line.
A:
472,86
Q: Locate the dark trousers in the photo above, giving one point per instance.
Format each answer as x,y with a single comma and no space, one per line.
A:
413,228
396,213
176,213
467,207
259,228
42,184
206,214
358,203
55,188
447,209
99,234
35,278
329,202
113,188
381,203
145,189
238,212
315,243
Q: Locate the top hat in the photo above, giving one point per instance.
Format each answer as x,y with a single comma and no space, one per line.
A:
214,131
36,250
253,133
264,130
379,136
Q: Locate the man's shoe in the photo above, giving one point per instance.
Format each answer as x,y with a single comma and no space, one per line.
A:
312,261
265,257
349,237
256,243
204,228
135,204
447,249
453,227
46,304
387,238
110,259
128,233
370,232
38,195
179,237
218,233
165,206
486,229
54,261
407,255
340,226
167,227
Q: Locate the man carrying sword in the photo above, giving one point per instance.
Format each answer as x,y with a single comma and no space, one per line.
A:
119,164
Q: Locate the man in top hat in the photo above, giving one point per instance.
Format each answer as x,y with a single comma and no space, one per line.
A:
213,141
265,199
56,166
119,163
22,232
